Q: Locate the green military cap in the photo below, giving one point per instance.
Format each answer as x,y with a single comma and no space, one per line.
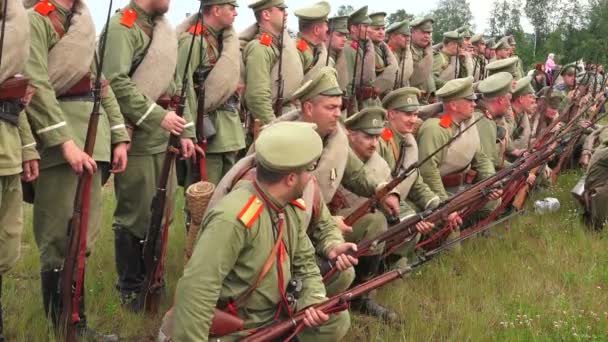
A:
258,5
401,27
452,36
279,146
502,44
324,83
523,87
377,18
459,88
506,65
465,31
554,101
496,85
424,24
339,24
316,12
370,120
403,99
477,39
568,69
359,17
490,43
220,2
511,40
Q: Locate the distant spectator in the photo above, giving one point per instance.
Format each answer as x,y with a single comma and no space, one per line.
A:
550,67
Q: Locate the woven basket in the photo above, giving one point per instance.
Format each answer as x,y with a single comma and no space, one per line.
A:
198,196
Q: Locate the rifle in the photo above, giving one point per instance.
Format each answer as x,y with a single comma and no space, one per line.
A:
373,201
350,110
357,90
331,34
456,71
205,130
399,78
278,103
4,11
156,239
72,274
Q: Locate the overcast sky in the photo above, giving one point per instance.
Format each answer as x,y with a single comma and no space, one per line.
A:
179,8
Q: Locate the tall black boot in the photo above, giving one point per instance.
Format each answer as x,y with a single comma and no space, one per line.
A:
51,295
1,322
83,329
130,268
366,269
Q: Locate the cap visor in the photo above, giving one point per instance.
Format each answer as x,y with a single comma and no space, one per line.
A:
373,131
472,97
332,92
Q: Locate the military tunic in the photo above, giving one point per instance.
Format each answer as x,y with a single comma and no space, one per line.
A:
522,133
596,188
441,62
55,121
246,225
464,152
222,149
308,52
427,86
493,148
350,52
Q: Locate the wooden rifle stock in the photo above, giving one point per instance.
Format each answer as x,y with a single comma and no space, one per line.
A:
223,324
278,103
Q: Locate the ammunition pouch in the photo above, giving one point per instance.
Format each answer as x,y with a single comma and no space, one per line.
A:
231,105
459,178
81,91
9,111
501,133
168,102
208,128
365,93
15,88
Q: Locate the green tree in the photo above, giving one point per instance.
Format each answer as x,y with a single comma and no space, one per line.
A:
397,16
450,15
345,10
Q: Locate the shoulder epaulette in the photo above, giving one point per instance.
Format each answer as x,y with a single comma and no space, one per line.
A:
266,39
302,45
128,18
488,115
354,44
387,134
44,8
446,121
251,211
197,29
299,203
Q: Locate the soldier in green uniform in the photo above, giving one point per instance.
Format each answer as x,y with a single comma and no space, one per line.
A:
338,166
216,53
261,57
140,65
564,89
313,33
250,221
386,64
360,62
596,193
399,41
18,153
338,28
524,106
447,63
493,130
61,67
422,54
502,49
479,59
490,51
520,64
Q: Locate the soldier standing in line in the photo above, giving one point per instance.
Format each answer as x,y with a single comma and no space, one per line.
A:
478,46
18,155
524,106
447,63
314,30
216,58
338,26
399,41
422,54
386,64
140,65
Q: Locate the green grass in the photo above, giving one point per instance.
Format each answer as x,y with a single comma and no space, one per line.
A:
536,278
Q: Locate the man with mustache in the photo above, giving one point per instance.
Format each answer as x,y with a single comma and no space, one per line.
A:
399,40
422,54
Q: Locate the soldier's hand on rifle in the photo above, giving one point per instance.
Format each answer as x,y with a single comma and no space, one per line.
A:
391,205
119,158
29,93
548,171
344,228
585,124
77,159
314,317
584,160
173,124
531,179
517,152
340,254
454,221
495,194
424,227
30,170
187,147
198,151
557,127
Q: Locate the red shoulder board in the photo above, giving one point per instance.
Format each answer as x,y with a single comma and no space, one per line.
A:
266,39
197,29
299,203
387,134
391,48
44,8
251,211
302,45
128,18
446,121
354,44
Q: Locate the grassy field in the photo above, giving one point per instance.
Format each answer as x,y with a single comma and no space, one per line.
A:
536,278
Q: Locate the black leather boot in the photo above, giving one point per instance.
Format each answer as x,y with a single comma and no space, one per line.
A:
51,295
130,268
366,269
